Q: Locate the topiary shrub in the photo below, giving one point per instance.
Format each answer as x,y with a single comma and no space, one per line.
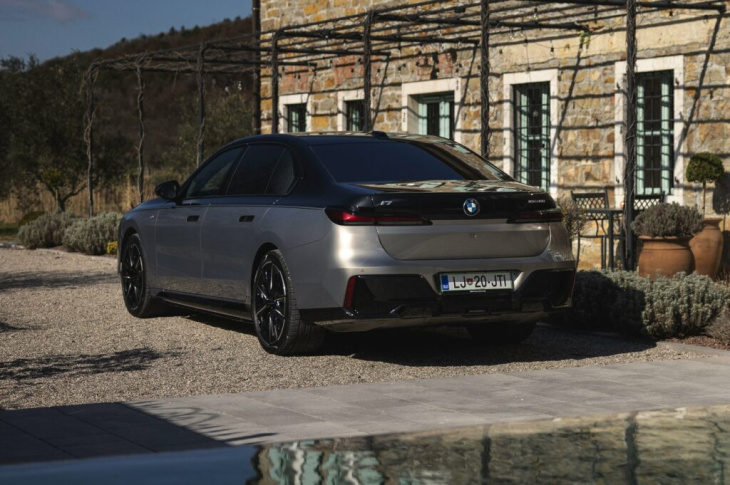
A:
627,303
668,220
46,231
29,217
704,167
91,236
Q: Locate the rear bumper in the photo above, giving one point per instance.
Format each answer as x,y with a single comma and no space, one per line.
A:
380,301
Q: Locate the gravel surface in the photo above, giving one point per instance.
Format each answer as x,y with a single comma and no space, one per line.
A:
67,339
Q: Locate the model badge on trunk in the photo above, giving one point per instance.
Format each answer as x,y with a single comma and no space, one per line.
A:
471,207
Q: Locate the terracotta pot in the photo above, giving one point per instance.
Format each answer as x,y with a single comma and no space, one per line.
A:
664,256
707,248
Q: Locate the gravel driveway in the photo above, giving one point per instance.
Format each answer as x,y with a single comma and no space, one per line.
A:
66,338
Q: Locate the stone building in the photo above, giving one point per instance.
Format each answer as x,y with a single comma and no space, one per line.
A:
557,96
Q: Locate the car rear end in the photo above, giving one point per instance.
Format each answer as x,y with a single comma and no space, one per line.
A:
407,249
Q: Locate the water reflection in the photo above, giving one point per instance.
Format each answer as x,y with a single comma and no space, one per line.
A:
676,446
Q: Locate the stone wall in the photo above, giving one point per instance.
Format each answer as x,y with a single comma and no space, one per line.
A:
588,136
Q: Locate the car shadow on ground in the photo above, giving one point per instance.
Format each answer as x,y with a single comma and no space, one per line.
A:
217,322
452,346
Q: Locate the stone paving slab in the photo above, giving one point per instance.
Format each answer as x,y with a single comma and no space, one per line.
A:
356,410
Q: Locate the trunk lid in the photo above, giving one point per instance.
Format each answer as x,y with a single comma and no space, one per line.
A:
453,233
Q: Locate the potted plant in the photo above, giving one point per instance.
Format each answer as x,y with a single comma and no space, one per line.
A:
665,231
574,219
707,245
721,206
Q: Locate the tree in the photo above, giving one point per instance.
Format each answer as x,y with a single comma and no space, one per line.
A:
45,146
228,117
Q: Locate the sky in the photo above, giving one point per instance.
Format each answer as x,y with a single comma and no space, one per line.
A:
52,28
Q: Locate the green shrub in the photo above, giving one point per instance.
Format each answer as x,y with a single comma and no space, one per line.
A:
112,247
668,220
704,167
29,217
683,306
91,236
625,302
609,300
720,327
46,231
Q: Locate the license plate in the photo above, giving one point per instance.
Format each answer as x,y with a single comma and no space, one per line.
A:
476,281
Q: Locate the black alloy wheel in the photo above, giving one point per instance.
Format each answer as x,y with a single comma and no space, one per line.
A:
279,328
133,277
270,303
135,290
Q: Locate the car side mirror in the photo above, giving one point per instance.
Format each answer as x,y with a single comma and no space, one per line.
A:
168,190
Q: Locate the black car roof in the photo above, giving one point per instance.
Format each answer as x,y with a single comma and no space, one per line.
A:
328,138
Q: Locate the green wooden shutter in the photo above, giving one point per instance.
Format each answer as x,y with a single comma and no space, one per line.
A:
436,115
532,134
655,133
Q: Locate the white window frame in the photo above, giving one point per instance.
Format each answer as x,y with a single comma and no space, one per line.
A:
409,102
509,80
342,98
670,63
288,99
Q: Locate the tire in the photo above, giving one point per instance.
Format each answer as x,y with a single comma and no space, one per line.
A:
274,310
135,290
501,333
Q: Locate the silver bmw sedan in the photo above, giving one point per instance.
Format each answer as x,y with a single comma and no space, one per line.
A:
304,234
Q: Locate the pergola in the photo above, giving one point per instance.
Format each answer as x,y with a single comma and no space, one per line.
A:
378,34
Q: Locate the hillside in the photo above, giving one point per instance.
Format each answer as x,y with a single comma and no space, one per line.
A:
170,99
175,37
171,117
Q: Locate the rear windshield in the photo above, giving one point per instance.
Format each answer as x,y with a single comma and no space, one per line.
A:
401,161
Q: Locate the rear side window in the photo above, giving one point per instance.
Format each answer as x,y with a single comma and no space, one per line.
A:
211,179
401,161
264,169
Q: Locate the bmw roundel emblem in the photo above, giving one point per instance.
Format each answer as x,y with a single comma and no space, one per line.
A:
471,207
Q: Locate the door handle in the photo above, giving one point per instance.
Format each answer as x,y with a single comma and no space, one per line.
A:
193,218
245,219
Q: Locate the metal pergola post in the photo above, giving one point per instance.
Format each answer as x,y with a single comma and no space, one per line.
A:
141,130
630,134
256,27
201,102
367,71
484,78
275,81
89,133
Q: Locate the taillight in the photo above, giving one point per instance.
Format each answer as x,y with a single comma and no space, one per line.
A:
346,218
551,215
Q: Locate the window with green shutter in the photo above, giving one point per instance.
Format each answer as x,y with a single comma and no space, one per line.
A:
436,115
654,132
296,118
532,134
355,115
